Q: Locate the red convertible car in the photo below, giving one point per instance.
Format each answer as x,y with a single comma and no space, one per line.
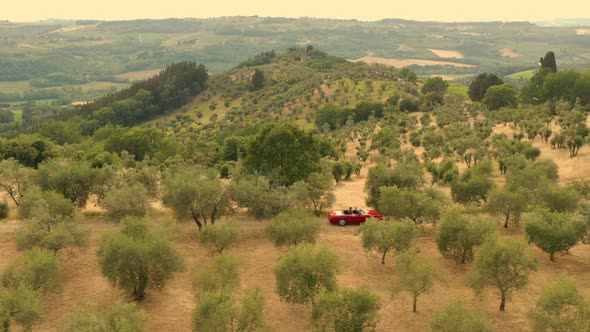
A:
352,216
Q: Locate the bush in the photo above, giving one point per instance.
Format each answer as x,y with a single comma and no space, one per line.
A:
218,274
216,311
456,317
119,317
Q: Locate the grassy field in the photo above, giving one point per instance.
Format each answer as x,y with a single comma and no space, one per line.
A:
14,86
527,74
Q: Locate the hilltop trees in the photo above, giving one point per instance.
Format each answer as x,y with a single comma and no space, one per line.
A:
504,265
168,90
480,85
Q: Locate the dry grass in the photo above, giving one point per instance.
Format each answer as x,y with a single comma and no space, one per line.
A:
370,59
447,53
509,53
171,309
583,32
570,169
74,27
139,75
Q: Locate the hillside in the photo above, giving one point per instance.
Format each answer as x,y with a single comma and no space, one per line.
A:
46,60
274,139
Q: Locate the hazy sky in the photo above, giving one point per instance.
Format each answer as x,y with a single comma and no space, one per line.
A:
439,10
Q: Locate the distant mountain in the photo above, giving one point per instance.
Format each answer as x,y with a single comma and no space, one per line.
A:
565,22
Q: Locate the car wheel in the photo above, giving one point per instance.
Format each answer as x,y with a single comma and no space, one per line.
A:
342,222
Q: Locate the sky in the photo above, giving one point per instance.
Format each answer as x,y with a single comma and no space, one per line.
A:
364,10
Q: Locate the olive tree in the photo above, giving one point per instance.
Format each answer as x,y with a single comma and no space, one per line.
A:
386,236
304,272
119,317
416,275
14,179
553,232
473,185
194,191
457,236
37,269
219,237
291,228
504,265
509,204
138,258
20,305
127,200
457,317
346,310
561,307
316,192
421,207
75,180
218,274
50,223
262,199
217,311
